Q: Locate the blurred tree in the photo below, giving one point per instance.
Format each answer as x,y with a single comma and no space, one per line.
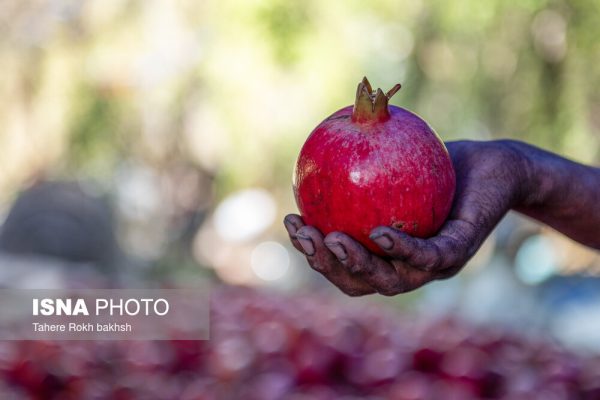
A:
97,132
234,87
285,22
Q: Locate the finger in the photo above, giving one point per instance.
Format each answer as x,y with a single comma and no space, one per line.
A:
368,267
413,278
292,223
447,273
452,247
420,253
325,262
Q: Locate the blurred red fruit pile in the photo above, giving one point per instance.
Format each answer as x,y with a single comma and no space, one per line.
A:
268,347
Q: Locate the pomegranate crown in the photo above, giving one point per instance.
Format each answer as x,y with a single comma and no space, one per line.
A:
371,105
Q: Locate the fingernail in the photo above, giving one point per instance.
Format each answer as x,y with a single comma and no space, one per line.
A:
306,243
338,250
291,228
382,240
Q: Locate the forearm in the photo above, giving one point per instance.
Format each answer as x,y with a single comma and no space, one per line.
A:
561,193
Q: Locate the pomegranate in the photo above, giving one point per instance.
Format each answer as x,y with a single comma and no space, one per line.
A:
374,164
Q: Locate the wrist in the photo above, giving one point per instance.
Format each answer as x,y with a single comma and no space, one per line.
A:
544,178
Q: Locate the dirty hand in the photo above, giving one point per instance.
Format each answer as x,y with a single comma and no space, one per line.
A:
490,180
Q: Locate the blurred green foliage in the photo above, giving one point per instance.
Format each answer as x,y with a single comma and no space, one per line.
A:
235,86
171,106
95,132
285,22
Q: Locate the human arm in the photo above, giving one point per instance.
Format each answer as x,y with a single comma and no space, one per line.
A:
492,178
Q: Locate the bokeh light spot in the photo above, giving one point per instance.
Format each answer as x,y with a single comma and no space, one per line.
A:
270,261
536,260
244,215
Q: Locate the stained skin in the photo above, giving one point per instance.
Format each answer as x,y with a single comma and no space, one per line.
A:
352,177
491,179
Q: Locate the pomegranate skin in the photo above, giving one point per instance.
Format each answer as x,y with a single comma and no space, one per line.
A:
352,177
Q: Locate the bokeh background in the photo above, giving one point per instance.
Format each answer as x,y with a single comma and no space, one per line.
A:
152,142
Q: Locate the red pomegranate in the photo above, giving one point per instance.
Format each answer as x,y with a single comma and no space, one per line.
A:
374,164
